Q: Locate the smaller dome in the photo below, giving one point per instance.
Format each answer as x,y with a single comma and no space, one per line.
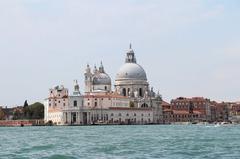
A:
101,79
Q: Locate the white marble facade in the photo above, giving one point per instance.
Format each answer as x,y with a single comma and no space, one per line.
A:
131,102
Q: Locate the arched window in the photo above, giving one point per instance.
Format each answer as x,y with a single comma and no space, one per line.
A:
124,92
105,88
75,103
144,105
140,92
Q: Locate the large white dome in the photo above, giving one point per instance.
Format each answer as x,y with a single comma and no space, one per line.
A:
130,71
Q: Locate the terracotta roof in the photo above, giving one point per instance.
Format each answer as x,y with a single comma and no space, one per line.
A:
105,96
184,112
194,99
127,108
165,103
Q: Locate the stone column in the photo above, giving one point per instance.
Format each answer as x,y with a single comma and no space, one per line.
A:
64,118
78,118
89,118
69,117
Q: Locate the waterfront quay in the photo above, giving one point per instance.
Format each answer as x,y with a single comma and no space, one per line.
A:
18,123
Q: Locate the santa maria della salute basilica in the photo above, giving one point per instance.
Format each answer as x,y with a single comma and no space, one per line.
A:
131,101
131,79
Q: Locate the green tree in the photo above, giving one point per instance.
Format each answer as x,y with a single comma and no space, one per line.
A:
36,111
2,114
25,104
25,110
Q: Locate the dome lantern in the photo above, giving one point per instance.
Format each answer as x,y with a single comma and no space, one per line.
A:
130,56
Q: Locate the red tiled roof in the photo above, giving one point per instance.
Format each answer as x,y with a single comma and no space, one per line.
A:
165,103
105,96
196,99
127,108
184,112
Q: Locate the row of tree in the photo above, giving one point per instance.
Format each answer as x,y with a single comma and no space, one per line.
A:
1,114
33,111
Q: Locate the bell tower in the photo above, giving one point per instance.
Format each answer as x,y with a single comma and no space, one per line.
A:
88,79
76,91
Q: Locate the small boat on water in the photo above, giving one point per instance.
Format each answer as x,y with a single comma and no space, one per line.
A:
222,124
99,122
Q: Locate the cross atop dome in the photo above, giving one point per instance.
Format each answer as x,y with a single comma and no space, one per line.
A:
130,55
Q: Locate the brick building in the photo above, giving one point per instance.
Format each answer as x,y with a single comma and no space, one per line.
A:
196,109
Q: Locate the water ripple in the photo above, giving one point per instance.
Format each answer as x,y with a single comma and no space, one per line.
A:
120,142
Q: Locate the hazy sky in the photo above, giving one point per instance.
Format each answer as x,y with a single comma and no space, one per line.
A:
187,47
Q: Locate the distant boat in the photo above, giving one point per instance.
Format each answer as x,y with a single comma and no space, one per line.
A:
99,122
222,124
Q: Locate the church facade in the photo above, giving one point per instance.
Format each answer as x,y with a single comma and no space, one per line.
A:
130,102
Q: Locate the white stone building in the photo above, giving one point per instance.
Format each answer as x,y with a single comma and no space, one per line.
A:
59,102
131,102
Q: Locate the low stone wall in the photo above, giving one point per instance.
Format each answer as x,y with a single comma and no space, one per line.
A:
20,122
